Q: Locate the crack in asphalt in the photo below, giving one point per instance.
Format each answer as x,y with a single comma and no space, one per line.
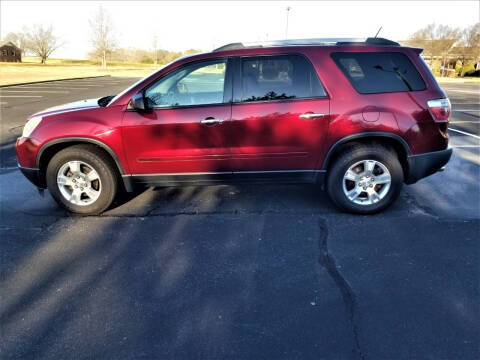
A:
425,210
48,227
327,261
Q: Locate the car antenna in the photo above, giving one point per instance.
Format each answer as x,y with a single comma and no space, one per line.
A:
378,32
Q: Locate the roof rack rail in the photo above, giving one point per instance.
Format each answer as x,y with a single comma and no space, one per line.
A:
309,42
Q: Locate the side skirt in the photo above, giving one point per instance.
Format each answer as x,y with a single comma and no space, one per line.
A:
216,178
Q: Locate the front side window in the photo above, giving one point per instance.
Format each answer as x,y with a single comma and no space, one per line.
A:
279,77
379,72
196,84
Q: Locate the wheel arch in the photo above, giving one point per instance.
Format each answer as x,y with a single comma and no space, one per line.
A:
50,148
395,141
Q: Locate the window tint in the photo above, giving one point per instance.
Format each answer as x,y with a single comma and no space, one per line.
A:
196,84
378,72
279,77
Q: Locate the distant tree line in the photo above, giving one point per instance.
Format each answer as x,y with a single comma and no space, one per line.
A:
105,46
134,55
42,42
449,51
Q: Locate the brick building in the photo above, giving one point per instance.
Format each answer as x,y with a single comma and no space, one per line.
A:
10,53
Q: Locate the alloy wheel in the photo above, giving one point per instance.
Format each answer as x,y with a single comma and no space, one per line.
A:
366,182
79,183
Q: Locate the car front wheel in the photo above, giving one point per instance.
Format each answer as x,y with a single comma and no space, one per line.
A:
82,179
365,178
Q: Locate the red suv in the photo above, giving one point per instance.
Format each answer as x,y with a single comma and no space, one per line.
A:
360,117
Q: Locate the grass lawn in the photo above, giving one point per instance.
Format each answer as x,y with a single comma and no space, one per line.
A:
458,80
31,70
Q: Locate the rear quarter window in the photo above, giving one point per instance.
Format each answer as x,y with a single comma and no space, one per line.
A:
379,72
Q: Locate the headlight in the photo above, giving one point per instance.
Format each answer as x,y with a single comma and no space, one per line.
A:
31,124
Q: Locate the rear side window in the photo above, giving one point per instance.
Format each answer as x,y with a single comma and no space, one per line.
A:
379,72
279,77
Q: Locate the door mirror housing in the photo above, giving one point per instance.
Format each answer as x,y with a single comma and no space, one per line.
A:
139,103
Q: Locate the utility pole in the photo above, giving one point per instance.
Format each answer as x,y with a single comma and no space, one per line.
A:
286,27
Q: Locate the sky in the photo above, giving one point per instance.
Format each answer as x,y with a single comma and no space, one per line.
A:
180,25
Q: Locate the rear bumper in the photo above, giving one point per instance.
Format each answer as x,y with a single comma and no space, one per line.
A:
34,176
423,165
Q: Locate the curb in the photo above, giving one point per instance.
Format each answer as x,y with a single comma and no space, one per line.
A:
44,81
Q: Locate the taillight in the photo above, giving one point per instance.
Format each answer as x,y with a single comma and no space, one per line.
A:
440,109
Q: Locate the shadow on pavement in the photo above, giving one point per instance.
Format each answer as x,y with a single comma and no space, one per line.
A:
173,286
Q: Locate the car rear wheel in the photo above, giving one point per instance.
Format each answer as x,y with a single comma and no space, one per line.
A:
365,179
82,179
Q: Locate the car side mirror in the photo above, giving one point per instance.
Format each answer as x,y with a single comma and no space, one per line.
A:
140,103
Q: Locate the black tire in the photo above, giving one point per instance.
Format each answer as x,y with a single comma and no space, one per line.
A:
100,162
352,155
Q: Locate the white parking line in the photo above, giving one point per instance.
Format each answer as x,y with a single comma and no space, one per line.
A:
465,133
34,91
87,85
465,146
465,122
464,91
19,96
47,87
98,82
465,110
83,83
74,82
53,85
453,104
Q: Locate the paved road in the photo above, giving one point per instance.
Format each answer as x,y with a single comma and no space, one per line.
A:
270,271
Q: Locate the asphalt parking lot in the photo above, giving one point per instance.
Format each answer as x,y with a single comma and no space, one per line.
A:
240,272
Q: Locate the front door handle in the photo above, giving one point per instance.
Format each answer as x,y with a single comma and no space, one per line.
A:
211,121
311,116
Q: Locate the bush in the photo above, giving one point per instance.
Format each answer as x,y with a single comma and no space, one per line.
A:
146,60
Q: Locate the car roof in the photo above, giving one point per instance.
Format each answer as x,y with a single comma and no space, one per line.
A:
309,42
299,46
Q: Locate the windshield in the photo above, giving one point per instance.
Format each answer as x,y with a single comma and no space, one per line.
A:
135,84
128,89
139,81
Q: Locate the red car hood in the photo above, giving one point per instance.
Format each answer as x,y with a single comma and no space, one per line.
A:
77,105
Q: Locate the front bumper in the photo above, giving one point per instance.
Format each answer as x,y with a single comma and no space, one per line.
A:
26,149
34,176
423,165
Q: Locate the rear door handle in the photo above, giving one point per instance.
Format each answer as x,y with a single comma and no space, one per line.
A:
311,116
211,121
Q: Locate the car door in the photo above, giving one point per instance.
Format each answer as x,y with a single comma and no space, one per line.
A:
187,130
280,114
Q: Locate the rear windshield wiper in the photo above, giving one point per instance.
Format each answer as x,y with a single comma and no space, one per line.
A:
398,73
